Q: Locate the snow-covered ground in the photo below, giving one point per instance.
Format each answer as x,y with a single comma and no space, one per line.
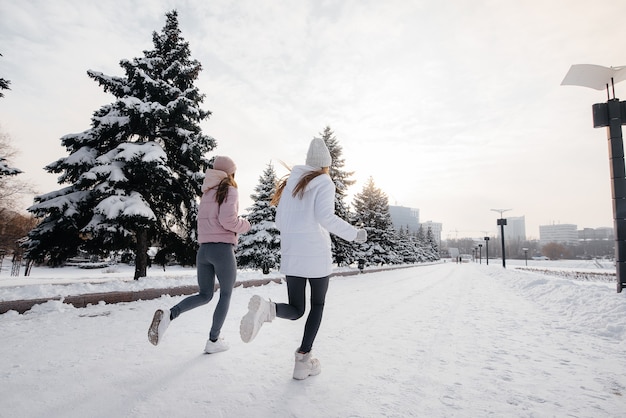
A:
442,340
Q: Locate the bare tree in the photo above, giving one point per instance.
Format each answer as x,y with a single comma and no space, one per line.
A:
12,187
555,251
13,227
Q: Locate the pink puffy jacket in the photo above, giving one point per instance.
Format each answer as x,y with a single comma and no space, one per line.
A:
219,223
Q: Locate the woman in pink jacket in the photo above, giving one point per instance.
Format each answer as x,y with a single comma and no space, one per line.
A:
218,227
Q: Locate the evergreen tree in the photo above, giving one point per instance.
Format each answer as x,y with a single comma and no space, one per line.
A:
259,248
343,251
431,245
426,245
421,236
406,246
420,245
133,179
5,170
4,84
371,208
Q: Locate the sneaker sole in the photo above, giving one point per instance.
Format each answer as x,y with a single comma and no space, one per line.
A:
153,331
302,376
213,351
250,325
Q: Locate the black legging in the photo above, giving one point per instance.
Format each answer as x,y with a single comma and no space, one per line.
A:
296,290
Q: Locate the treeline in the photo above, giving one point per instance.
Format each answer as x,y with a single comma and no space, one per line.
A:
583,249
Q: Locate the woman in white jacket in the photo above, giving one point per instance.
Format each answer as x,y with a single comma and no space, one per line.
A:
305,215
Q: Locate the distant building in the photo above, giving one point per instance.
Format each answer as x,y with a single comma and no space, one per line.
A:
403,217
515,229
560,233
594,234
435,228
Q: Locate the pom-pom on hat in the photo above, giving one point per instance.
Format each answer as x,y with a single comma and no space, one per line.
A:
224,164
318,155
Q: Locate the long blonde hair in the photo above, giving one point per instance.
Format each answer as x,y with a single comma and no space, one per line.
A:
298,191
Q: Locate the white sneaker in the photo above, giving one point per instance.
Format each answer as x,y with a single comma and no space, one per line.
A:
259,311
216,347
160,322
306,366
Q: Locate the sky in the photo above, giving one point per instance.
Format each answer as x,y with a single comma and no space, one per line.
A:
413,342
454,108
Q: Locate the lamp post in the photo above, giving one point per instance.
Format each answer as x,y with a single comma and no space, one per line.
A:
487,248
525,255
611,115
501,222
480,253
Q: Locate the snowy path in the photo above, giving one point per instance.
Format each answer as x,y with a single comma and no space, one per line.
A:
439,341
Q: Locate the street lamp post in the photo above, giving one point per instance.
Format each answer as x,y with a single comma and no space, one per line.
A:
525,255
611,115
501,222
487,249
480,253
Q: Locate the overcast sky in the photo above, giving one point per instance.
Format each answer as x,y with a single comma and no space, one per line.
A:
454,107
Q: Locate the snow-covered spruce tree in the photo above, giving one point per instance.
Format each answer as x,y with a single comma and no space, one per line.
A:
134,177
405,246
421,253
4,84
259,248
343,251
431,247
421,236
5,170
371,212
426,245
420,245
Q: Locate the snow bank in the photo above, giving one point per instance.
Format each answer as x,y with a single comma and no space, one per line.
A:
590,305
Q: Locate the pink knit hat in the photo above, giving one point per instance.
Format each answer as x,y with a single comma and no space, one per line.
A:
224,164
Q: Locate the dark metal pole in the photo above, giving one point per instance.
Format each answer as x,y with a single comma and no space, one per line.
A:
502,222
612,115
618,176
487,248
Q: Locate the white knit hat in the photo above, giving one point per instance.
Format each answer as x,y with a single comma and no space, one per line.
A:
318,155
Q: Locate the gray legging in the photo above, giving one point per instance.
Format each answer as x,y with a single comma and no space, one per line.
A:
296,287
213,259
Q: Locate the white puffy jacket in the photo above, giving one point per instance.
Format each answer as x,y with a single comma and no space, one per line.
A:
304,224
